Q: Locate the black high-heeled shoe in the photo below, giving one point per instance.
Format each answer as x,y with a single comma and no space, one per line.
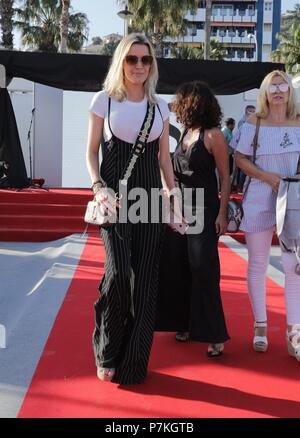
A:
182,336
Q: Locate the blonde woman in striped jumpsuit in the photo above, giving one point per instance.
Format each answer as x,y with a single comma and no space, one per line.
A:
277,156
125,310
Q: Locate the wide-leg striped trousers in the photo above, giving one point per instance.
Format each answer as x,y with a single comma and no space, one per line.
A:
125,311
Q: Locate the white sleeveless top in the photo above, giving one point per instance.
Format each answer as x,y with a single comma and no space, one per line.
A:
278,151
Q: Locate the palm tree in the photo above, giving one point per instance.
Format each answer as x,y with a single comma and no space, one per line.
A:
165,16
217,51
6,22
109,48
207,28
160,18
290,17
97,41
288,50
186,52
64,25
39,21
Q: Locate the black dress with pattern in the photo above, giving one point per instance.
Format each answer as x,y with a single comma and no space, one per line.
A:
189,296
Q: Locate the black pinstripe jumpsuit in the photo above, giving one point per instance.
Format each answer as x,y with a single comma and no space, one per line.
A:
125,311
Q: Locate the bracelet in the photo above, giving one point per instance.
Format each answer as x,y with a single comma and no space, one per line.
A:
97,189
96,186
99,181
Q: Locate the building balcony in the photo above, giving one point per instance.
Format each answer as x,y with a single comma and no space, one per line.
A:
232,37
244,58
196,37
222,37
239,16
199,16
191,36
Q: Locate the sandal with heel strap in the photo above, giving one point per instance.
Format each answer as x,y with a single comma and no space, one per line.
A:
293,341
105,374
215,350
260,343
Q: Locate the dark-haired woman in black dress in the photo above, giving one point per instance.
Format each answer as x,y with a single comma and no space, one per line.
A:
189,297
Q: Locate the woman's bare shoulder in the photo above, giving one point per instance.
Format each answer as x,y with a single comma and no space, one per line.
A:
214,133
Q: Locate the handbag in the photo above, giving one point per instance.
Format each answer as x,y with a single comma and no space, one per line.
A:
96,213
235,210
288,216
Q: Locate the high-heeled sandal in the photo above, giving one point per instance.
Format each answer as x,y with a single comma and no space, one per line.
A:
293,342
105,374
260,343
182,336
215,350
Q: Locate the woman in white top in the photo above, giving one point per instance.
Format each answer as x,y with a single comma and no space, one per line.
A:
125,310
277,156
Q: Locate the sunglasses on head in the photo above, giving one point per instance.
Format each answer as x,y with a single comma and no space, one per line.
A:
133,59
283,87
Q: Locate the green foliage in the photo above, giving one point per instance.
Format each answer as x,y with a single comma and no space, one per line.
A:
288,50
6,22
163,16
97,40
217,52
291,17
39,22
186,52
109,48
160,19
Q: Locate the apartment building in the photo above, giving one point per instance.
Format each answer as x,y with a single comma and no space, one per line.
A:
247,29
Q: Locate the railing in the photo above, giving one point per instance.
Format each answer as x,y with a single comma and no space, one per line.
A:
224,15
234,16
232,37
245,58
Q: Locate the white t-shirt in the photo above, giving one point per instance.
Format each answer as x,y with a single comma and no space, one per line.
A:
126,117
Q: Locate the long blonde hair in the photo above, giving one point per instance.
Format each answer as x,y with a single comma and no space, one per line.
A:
292,110
114,82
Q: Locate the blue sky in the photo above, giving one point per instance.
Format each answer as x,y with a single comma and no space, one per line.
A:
103,18
102,15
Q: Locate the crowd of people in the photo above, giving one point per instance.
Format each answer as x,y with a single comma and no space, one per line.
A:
159,278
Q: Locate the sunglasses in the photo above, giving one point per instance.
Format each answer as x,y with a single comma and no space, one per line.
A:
283,87
133,59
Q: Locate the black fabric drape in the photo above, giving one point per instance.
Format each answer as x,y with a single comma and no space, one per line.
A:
10,147
87,72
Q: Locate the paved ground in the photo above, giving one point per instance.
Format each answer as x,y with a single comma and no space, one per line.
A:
34,280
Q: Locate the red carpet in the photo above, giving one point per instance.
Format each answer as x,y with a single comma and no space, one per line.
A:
182,381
